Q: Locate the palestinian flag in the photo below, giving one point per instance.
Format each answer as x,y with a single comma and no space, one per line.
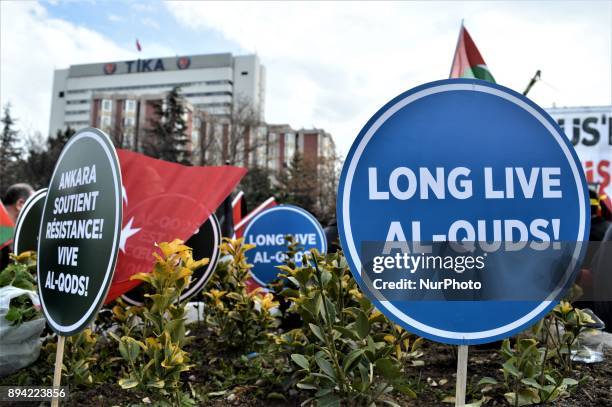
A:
6,227
468,63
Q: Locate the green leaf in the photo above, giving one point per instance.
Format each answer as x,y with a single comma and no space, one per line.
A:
525,397
307,386
351,358
317,331
329,400
325,366
388,369
348,333
511,368
331,309
13,314
325,277
290,292
128,383
301,361
323,376
158,384
362,325
569,382
531,382
275,396
405,389
487,380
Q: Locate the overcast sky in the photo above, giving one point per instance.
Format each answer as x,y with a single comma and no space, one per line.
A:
328,65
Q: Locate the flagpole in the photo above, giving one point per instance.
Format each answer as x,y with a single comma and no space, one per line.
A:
456,48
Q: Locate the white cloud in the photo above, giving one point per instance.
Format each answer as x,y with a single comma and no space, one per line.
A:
147,7
149,22
32,45
115,18
333,65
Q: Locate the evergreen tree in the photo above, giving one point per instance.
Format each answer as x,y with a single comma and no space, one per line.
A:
166,137
297,184
256,186
10,153
37,168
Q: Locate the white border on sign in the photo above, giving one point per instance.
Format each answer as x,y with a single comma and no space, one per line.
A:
296,209
346,193
27,206
87,133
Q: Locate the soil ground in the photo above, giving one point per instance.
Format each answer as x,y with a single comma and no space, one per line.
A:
433,382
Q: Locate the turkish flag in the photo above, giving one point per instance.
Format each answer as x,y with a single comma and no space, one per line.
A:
163,201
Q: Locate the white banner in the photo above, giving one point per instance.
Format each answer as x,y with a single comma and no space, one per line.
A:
590,131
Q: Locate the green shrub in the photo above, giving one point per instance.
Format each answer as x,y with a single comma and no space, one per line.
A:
341,359
573,321
153,346
237,319
79,358
21,274
529,377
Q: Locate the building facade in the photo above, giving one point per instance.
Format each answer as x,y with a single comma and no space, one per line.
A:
223,97
214,83
128,118
283,143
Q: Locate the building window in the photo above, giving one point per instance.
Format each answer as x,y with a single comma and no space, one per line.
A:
77,102
107,105
61,94
130,105
129,122
244,73
290,147
105,121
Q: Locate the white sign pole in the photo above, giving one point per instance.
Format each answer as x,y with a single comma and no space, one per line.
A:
57,374
462,355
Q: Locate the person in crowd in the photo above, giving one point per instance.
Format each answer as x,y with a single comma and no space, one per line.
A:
593,276
14,198
602,280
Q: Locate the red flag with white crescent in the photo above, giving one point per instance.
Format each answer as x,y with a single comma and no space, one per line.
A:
163,201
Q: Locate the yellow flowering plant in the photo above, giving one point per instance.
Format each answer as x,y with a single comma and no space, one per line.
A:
235,317
154,348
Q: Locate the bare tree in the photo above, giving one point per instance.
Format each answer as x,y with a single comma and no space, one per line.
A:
208,149
236,138
242,135
118,135
328,174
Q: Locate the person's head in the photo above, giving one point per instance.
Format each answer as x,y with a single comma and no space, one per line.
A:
16,195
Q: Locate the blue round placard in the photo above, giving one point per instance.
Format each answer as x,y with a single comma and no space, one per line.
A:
463,211
268,230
